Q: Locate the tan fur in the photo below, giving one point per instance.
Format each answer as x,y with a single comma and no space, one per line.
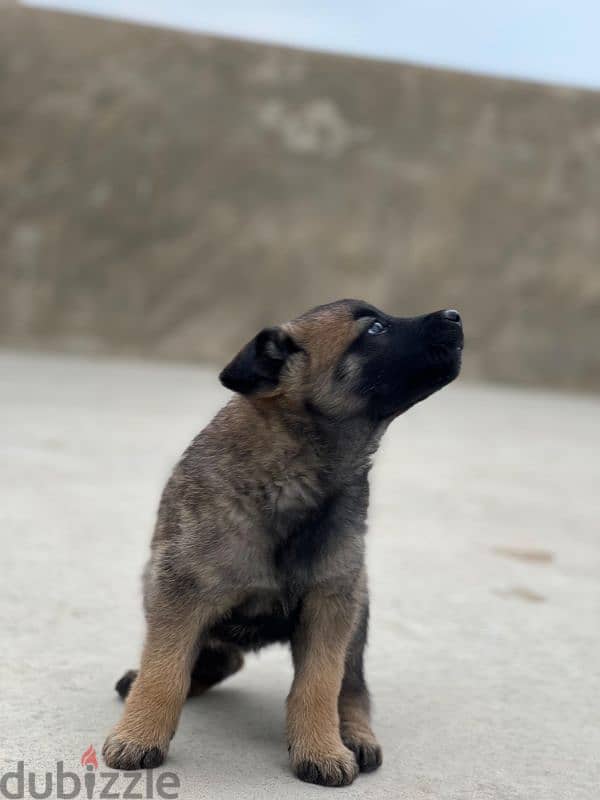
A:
325,335
159,691
319,651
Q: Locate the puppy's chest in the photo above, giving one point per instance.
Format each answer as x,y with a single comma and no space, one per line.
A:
316,534
295,495
315,542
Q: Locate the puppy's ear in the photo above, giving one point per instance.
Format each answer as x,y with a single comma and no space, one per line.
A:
257,367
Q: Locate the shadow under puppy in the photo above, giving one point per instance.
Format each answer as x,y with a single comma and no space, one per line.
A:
260,532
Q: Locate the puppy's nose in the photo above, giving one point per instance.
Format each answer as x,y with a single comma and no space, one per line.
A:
452,314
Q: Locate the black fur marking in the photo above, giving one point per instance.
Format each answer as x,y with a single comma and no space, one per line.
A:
354,676
153,757
210,664
213,665
306,538
254,632
124,684
323,775
412,359
365,310
131,756
368,757
258,365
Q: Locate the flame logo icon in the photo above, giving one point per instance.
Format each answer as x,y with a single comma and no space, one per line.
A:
89,757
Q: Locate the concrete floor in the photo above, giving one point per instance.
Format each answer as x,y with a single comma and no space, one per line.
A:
484,553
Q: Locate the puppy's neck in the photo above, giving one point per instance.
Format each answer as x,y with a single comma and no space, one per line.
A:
336,445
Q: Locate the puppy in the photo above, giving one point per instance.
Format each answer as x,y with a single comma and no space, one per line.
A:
260,532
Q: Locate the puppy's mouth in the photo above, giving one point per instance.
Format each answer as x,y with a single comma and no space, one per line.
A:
446,356
446,369
441,355
445,362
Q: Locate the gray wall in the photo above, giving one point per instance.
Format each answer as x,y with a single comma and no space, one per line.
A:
165,195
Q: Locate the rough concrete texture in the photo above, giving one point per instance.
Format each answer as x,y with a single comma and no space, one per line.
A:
154,184
484,562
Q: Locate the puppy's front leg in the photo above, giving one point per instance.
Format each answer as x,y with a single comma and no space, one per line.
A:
319,646
141,738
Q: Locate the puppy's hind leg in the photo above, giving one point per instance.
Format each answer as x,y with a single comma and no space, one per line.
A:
353,703
214,663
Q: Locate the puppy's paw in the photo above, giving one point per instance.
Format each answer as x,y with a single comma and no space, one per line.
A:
338,768
124,684
123,753
366,749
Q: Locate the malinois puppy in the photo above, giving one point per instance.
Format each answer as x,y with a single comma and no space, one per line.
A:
260,532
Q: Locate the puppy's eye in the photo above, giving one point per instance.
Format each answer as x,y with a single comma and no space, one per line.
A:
376,328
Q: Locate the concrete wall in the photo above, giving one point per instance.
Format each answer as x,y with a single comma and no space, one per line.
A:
165,194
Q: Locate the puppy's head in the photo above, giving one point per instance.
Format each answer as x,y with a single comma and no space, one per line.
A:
348,359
